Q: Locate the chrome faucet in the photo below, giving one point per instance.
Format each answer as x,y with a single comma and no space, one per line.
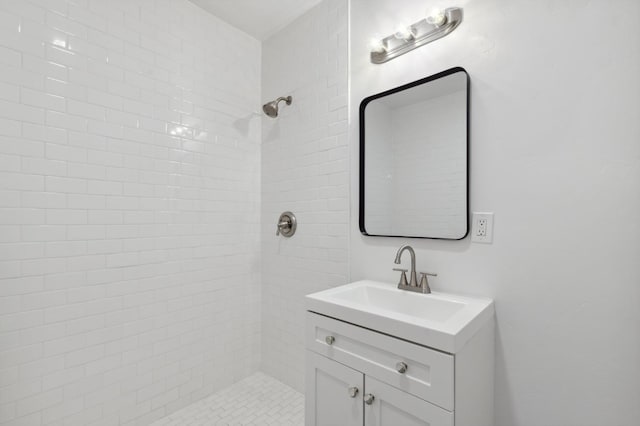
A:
414,278
412,285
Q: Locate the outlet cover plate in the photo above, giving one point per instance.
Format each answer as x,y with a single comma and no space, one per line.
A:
482,227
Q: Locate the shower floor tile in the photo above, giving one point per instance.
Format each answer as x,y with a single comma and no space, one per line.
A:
258,400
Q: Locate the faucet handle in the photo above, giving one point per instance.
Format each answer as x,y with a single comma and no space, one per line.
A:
424,282
403,277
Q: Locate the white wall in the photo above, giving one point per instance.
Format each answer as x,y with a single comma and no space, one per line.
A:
555,101
304,170
129,273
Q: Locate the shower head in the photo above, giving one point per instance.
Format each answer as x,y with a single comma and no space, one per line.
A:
271,108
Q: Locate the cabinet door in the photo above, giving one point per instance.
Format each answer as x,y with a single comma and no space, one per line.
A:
390,406
333,393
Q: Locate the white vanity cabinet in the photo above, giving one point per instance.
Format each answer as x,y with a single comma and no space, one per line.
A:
358,376
336,392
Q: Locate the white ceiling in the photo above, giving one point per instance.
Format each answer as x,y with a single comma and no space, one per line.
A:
259,18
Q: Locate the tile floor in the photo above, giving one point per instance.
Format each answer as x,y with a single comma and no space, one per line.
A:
258,400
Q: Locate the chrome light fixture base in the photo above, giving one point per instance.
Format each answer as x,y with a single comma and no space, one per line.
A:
422,33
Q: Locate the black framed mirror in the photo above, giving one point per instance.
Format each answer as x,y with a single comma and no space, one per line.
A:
414,159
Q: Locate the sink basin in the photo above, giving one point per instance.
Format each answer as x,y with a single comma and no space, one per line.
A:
438,320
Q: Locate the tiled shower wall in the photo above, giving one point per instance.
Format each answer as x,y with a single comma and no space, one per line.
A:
129,209
304,170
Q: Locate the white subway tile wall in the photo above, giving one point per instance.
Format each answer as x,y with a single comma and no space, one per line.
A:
129,209
305,170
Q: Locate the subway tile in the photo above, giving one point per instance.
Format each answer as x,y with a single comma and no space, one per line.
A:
44,200
106,221
65,89
22,77
10,127
105,40
62,23
104,99
86,232
84,355
9,269
100,68
104,129
83,294
42,100
11,355
86,201
42,300
87,18
25,9
21,112
43,166
20,320
64,152
66,121
22,181
9,92
10,163
64,280
65,57
87,141
10,198
66,185
65,248
21,216
40,233
57,6
66,408
85,48
22,43
38,132
21,390
38,402
86,171
84,78
43,266
86,263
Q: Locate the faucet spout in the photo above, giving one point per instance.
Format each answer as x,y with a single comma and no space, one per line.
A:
413,281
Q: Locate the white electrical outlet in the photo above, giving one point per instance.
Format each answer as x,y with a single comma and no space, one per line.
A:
482,227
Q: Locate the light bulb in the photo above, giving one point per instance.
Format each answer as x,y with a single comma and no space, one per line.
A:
404,33
436,18
377,45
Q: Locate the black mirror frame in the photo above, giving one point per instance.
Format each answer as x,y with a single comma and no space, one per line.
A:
364,104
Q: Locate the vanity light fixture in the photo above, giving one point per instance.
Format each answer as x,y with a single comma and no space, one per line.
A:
377,45
438,24
436,18
404,33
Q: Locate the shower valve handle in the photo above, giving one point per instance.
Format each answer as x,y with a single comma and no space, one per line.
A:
286,225
283,226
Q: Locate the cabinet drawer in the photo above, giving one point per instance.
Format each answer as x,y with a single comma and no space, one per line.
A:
429,373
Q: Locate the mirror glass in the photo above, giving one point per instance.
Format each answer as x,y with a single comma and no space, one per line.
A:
413,159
